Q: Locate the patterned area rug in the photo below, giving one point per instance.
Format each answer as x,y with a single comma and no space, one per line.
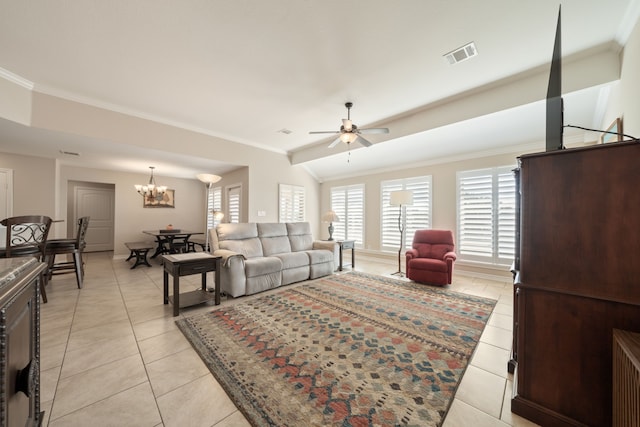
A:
346,350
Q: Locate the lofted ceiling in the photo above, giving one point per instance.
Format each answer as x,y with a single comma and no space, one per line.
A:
245,70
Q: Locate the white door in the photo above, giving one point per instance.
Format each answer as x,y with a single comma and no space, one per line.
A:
98,203
6,200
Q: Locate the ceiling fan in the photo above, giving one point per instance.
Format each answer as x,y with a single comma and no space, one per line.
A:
350,132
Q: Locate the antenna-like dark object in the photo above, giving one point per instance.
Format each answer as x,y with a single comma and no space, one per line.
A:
555,109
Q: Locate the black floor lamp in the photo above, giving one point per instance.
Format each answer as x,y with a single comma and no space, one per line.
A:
401,198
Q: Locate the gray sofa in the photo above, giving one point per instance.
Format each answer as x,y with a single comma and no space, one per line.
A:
261,256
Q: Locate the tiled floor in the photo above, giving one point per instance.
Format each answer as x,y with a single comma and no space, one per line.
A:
111,355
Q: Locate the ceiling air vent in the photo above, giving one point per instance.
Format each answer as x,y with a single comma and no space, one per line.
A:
465,52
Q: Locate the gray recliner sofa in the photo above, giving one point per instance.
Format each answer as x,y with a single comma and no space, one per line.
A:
261,256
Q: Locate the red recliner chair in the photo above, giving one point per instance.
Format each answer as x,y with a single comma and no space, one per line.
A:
431,258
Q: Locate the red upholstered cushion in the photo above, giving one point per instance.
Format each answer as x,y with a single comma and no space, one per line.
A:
428,264
427,250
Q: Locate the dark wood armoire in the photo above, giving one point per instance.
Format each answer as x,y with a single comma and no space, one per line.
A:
577,278
20,341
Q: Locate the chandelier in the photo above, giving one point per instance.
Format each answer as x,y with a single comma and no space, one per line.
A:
151,191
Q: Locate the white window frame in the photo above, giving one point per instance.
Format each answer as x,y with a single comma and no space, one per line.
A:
233,206
415,217
214,203
486,205
291,201
348,202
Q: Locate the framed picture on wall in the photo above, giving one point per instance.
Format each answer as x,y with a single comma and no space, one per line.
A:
164,200
613,132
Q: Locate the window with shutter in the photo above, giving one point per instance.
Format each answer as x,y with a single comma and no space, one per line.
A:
214,203
292,203
234,199
486,215
417,217
348,203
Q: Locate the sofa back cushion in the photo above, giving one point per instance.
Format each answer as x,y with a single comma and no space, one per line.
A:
300,236
433,243
274,238
241,238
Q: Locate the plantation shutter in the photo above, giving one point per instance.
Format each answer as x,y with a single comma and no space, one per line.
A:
214,203
233,204
292,203
506,216
348,203
486,215
418,215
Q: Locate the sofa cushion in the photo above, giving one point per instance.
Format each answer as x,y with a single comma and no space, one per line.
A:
250,248
261,266
320,256
428,250
274,238
300,236
430,264
293,259
275,245
240,238
272,229
232,231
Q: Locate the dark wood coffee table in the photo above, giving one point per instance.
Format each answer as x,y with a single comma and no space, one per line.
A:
186,264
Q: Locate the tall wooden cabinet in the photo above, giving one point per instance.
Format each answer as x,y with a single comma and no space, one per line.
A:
578,279
20,342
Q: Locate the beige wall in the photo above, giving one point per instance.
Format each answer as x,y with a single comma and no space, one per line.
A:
444,206
130,216
34,190
630,84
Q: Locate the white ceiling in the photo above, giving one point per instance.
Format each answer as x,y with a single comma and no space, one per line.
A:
243,70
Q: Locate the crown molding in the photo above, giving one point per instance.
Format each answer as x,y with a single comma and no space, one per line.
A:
16,79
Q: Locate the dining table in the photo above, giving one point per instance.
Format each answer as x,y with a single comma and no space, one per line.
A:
164,238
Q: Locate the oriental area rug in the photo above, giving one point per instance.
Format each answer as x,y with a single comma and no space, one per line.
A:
353,349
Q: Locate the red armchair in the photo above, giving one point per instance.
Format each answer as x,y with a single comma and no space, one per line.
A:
430,260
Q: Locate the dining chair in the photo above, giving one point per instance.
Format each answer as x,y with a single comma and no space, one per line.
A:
26,235
74,247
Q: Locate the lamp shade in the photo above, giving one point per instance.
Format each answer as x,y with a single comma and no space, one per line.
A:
348,137
208,178
401,197
330,216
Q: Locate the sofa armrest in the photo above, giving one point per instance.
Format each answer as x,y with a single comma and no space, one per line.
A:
410,254
323,244
227,256
450,256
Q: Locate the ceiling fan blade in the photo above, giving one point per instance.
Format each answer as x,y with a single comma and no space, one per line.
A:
374,130
324,131
335,142
363,141
346,123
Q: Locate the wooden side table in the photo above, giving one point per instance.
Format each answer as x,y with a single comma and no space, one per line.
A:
347,244
184,265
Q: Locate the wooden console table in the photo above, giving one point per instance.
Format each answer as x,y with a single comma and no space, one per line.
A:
184,265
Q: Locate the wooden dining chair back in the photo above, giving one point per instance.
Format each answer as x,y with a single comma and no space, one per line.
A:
26,235
74,247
